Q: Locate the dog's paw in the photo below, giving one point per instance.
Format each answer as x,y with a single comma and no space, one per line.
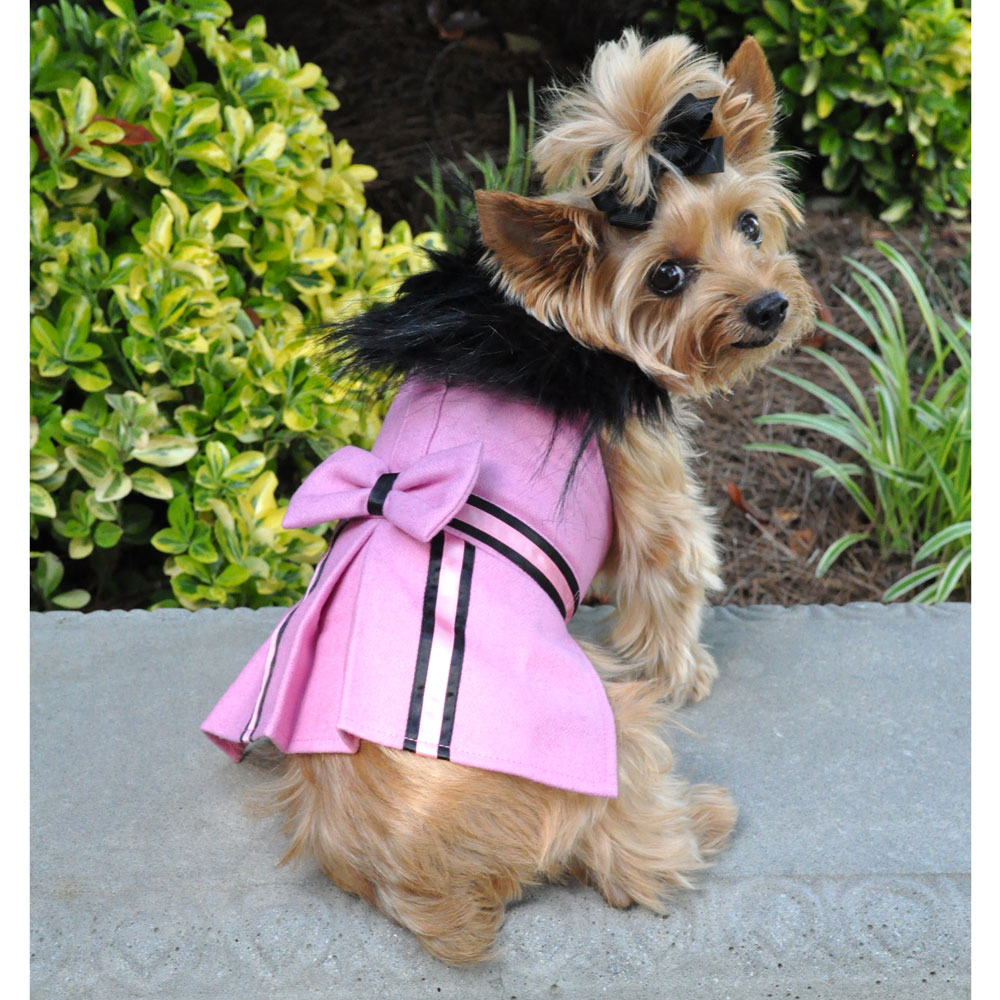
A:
703,674
688,678
615,896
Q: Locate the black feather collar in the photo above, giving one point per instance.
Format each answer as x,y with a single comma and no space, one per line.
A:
450,324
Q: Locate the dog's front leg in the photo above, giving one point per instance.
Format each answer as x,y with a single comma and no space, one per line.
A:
662,558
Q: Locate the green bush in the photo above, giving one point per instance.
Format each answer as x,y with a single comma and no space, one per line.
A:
912,435
881,89
191,219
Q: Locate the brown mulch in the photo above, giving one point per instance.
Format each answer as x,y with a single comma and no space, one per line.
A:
420,80
770,549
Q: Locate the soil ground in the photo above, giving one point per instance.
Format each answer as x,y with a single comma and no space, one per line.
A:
418,81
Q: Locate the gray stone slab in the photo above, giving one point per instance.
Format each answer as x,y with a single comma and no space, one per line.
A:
842,732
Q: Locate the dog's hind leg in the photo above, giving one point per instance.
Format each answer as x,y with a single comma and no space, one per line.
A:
441,848
438,847
458,925
660,829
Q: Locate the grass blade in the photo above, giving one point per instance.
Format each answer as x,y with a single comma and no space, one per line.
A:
952,575
839,547
954,532
824,423
916,289
847,381
911,581
834,403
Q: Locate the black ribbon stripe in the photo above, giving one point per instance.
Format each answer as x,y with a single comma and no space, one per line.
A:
515,557
426,638
540,540
247,735
376,499
254,721
384,483
458,652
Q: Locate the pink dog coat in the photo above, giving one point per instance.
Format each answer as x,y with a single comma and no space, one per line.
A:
436,620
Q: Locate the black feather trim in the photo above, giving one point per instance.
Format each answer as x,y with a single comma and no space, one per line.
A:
451,324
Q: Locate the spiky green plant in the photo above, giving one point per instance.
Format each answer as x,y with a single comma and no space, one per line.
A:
911,434
455,213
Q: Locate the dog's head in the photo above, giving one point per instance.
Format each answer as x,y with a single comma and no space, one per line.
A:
666,243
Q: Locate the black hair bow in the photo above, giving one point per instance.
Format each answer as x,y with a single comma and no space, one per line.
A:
679,142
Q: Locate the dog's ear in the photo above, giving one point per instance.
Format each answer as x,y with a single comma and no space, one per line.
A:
537,238
752,126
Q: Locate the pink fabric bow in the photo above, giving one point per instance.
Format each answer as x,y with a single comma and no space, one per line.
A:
422,500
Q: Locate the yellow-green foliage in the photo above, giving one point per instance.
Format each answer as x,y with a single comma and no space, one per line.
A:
191,219
881,89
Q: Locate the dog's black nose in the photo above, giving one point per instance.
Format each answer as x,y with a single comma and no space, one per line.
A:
767,312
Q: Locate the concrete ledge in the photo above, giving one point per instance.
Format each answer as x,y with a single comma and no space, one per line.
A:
842,732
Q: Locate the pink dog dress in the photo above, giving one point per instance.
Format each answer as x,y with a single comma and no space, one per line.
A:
436,620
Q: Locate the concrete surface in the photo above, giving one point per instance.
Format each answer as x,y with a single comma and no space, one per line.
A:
842,732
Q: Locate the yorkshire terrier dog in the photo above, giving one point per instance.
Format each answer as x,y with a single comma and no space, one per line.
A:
445,741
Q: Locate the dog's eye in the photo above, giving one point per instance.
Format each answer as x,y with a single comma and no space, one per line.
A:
749,226
668,278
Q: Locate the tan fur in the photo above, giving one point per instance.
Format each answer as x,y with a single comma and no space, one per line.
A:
600,133
597,289
617,111
439,847
662,559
